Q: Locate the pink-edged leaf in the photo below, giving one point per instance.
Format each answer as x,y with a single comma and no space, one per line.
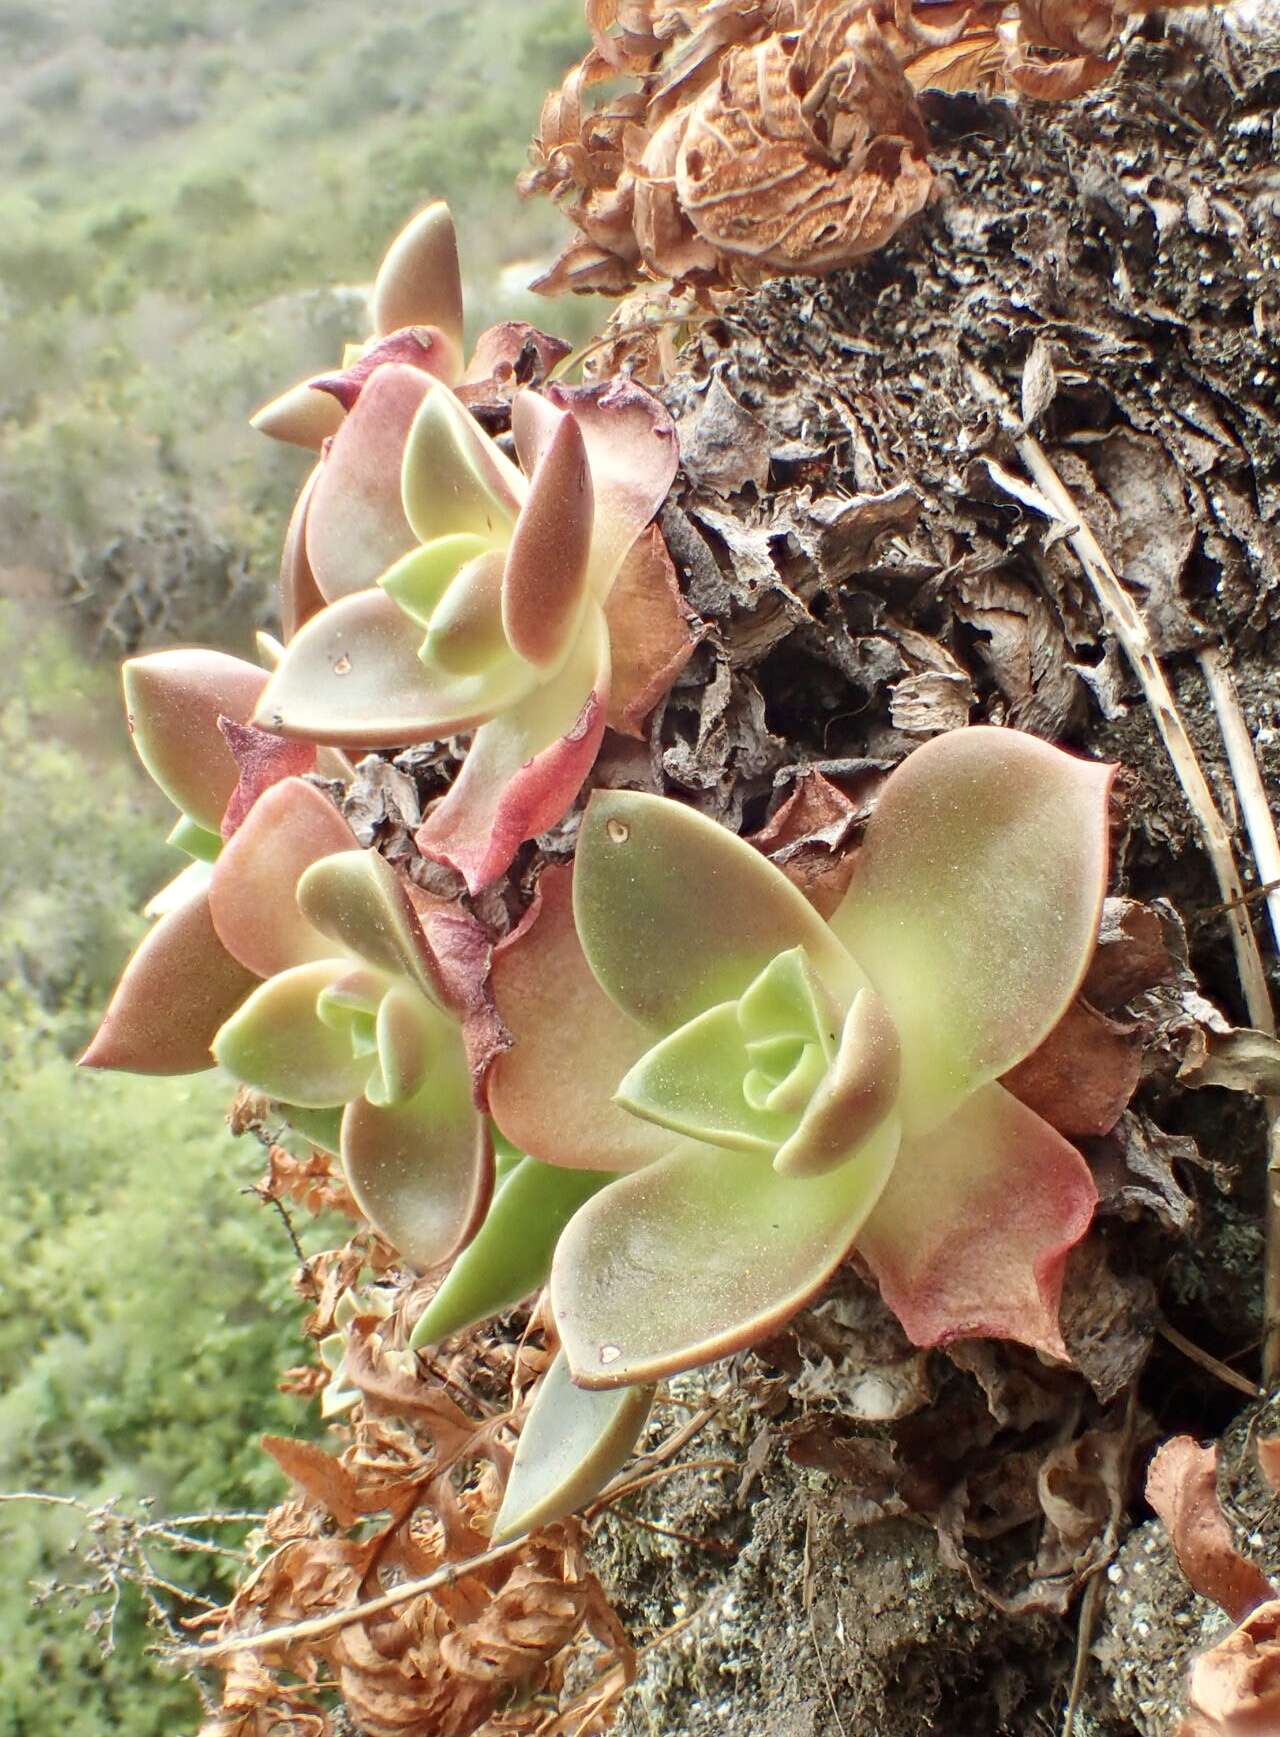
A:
649,629
454,479
303,415
677,913
356,524
418,282
300,596
263,761
173,700
352,677
550,1093
971,1236
253,893
424,347
278,1044
633,453
525,768
546,566
700,1255
422,1172
572,1443
1182,1487
175,992
461,956
358,900
974,904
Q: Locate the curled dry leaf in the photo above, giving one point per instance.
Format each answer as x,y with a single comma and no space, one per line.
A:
1182,1488
1235,1686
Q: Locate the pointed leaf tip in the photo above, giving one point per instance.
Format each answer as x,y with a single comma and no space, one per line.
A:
572,1443
419,282
975,902
174,700
176,991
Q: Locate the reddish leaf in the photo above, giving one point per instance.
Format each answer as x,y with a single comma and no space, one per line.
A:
263,761
1182,1487
650,631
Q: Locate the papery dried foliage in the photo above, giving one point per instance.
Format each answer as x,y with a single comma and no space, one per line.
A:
1235,1686
1182,1488
777,136
428,1472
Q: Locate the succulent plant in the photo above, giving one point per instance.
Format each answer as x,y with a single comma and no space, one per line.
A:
465,593
355,1012
785,1089
431,587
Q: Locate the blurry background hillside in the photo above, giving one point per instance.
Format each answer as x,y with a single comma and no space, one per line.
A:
182,184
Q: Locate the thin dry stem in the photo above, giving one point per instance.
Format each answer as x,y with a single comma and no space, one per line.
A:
1261,829
1126,622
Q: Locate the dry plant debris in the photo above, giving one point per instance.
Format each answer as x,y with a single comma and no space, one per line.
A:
759,137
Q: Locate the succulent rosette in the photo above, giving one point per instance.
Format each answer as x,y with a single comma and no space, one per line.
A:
430,586
783,1089
306,969
466,593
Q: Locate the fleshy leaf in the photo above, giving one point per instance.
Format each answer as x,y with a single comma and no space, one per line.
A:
974,905
357,900
302,416
554,1097
525,767
356,525
278,1044
253,894
677,913
322,1128
972,1233
510,1254
404,1035
649,629
181,889
424,347
702,1254
263,760
419,579
631,447
465,636
422,1172
691,1082
194,840
572,1443
175,992
454,479
352,677
174,700
418,282
300,596
546,567
857,1094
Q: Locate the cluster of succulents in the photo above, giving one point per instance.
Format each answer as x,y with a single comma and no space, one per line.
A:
673,1089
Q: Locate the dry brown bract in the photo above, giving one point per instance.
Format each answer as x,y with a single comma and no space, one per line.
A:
414,1493
774,137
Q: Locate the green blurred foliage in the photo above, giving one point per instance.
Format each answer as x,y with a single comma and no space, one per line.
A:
147,1307
181,183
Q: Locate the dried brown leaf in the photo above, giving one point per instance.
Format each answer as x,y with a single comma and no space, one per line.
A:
650,631
1083,1075
807,152
325,1479
1182,1487
1235,1686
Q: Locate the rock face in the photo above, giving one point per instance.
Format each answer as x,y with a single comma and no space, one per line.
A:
899,1545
